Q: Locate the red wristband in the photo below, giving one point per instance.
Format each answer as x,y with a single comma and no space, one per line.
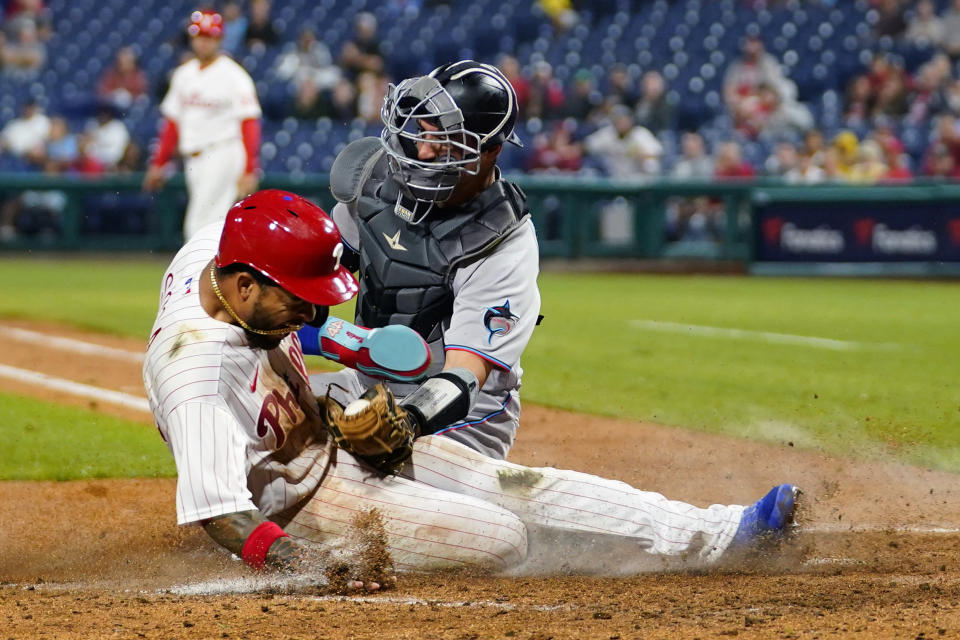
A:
255,548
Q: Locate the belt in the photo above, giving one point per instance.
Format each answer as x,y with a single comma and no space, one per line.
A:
200,152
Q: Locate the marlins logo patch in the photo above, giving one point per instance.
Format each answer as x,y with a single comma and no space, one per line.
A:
499,320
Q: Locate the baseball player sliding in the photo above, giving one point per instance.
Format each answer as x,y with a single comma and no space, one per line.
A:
212,115
275,473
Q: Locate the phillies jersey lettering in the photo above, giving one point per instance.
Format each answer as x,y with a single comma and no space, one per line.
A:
209,103
241,423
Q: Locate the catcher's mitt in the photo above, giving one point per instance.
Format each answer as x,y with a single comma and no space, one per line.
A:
373,428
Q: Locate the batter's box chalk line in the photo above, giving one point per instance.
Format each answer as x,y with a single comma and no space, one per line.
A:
876,528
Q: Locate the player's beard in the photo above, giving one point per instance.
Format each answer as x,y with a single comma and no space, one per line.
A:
259,320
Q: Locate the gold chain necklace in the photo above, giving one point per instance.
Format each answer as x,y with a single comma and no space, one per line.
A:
223,301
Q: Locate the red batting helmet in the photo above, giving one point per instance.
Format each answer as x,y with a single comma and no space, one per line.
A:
206,23
291,241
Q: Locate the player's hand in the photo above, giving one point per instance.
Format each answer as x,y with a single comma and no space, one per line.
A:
247,184
154,178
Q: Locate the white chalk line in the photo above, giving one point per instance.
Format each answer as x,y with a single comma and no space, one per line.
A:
237,586
875,528
69,344
118,398
701,330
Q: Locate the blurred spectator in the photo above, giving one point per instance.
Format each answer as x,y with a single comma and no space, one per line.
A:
546,93
624,148
234,28
842,155
510,68
898,169
940,163
62,149
754,68
694,162
121,83
371,89
729,162
87,164
339,104
108,138
891,97
555,150
813,145
32,12
951,94
308,60
946,134
890,20
870,166
25,137
687,218
807,171
927,98
343,101
859,101
560,12
653,110
583,98
24,55
620,86
260,31
951,30
782,161
362,52
926,28
881,91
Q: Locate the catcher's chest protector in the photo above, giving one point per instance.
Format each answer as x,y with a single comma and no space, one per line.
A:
406,271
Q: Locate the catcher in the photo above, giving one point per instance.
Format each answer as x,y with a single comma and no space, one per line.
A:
279,477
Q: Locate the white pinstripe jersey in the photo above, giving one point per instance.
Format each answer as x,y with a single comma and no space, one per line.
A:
241,423
209,103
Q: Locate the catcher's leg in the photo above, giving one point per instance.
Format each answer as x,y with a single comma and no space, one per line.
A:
579,504
427,528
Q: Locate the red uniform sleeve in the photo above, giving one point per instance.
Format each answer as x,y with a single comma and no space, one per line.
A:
251,142
166,144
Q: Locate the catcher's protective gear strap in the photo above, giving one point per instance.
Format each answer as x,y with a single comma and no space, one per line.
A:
442,399
255,549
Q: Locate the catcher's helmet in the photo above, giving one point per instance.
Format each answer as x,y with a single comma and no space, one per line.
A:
473,108
291,241
205,22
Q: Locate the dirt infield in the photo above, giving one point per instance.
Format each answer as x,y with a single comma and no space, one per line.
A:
877,555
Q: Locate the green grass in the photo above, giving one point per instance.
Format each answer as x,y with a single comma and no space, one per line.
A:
898,398
44,441
895,396
118,297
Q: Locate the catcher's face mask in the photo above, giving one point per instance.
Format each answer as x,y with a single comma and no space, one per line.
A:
420,114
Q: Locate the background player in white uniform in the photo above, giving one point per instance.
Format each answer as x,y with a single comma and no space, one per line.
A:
212,115
225,379
428,217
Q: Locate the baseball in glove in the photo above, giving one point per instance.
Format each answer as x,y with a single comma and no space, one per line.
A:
373,428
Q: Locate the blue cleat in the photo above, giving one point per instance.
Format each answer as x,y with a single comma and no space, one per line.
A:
770,516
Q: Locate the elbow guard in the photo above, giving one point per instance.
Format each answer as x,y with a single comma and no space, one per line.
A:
442,400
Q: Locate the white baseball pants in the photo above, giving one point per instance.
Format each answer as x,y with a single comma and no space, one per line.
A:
454,507
212,178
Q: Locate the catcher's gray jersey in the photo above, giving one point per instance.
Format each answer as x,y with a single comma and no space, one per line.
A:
496,304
